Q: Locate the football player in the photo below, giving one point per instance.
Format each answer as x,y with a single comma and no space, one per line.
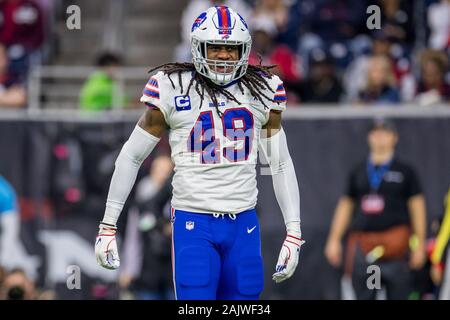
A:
219,112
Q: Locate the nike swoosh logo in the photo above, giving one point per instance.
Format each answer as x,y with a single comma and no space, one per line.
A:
250,230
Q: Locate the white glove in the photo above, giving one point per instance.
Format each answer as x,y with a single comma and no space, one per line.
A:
288,258
106,247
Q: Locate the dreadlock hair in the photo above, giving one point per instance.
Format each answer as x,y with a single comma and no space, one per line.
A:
254,80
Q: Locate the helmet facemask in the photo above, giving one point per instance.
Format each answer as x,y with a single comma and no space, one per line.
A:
233,70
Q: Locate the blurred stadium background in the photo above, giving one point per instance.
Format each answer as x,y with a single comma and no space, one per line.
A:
70,98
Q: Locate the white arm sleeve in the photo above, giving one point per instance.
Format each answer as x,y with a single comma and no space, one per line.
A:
276,152
133,153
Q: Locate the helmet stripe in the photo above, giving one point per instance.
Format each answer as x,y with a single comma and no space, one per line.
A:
228,17
219,16
224,17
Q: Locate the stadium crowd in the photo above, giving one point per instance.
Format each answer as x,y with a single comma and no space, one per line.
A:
324,51
24,33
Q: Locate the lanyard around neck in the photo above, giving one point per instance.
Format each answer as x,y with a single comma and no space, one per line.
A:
376,173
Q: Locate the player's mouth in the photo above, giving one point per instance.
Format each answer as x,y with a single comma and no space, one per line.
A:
224,69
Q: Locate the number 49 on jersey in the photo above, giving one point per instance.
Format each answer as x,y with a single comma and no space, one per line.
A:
237,126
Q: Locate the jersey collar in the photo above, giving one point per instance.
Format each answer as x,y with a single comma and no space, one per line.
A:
231,83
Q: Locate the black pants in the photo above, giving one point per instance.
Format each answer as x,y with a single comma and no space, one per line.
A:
395,277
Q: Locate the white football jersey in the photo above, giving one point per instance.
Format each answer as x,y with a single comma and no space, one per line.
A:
215,157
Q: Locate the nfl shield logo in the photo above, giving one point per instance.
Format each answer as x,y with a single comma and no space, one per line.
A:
189,225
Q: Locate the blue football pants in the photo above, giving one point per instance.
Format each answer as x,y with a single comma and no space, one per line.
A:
216,257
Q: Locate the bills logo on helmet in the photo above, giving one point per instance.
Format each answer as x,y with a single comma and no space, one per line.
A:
199,21
243,21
